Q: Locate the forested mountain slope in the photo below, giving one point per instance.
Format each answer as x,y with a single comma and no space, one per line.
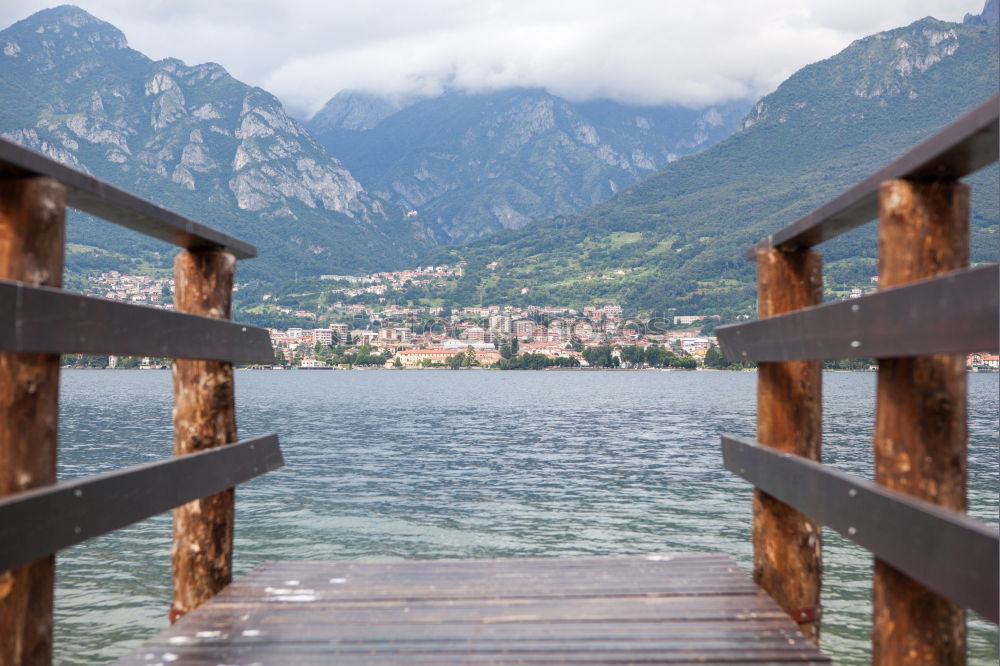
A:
676,240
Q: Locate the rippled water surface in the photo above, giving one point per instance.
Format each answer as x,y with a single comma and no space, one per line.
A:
431,464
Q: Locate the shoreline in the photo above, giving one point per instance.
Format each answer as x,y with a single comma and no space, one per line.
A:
553,369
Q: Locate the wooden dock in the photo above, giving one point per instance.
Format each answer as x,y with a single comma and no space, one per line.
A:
931,561
677,609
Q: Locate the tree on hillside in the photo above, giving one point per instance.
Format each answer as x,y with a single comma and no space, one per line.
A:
633,356
715,359
658,357
684,362
599,357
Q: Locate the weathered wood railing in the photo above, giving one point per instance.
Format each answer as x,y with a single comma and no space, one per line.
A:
932,562
38,321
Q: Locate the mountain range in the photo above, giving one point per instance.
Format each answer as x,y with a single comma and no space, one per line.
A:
474,164
198,141
558,202
676,239
192,139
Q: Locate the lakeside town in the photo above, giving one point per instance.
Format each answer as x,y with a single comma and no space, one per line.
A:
502,336
494,336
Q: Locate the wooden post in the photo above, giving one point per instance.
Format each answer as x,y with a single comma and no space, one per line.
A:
32,223
204,417
920,421
787,544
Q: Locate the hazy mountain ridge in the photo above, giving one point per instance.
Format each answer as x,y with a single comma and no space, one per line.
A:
472,164
677,238
355,111
989,16
191,138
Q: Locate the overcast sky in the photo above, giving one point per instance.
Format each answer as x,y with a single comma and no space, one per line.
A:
687,52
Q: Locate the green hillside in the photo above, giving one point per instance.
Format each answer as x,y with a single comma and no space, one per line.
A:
676,240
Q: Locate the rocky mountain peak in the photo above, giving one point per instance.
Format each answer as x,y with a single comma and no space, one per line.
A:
191,137
165,118
886,65
472,163
356,110
62,31
989,16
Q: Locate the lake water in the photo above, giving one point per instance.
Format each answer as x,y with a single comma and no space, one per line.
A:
428,464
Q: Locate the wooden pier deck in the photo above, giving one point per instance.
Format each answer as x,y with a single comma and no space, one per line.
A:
678,609
931,561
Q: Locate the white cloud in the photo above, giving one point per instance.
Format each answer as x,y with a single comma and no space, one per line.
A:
639,51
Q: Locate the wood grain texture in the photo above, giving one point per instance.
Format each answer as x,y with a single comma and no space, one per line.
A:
45,520
32,223
104,200
913,535
678,608
920,423
787,544
49,321
204,418
918,318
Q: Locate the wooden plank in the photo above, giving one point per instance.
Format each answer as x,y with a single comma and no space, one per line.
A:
512,578
945,550
592,651
920,419
32,227
497,619
961,148
43,320
106,201
556,610
953,313
481,651
787,549
204,418
315,612
38,522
